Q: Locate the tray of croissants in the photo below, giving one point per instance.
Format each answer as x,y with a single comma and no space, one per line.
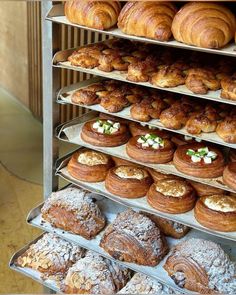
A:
190,73
130,240
206,120
202,25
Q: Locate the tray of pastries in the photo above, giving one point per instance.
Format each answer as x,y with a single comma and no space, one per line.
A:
138,242
155,109
164,27
167,196
199,74
196,161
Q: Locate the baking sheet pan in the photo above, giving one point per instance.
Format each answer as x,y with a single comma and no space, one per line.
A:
110,209
70,132
60,61
56,14
33,274
65,94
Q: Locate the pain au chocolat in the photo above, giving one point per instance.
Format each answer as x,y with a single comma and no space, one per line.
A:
90,166
128,181
171,196
105,133
229,175
133,237
199,160
150,148
217,212
74,210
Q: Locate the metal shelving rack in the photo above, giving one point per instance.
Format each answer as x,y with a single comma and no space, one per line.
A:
51,87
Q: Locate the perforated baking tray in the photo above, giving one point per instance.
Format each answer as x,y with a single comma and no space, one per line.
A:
65,94
110,209
56,14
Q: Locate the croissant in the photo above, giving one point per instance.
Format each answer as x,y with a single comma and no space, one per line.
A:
99,15
148,19
204,24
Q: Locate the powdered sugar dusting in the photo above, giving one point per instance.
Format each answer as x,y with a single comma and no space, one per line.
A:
210,256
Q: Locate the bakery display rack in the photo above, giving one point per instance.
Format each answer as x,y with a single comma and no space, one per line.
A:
55,167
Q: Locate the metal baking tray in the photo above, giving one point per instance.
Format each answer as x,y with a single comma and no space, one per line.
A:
140,203
70,132
110,209
56,14
60,61
65,94
33,274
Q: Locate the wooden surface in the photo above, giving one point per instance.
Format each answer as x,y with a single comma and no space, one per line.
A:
14,49
17,197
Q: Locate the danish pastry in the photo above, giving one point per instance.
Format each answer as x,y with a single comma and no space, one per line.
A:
140,71
203,190
179,139
128,181
199,160
105,133
156,175
228,85
150,148
88,95
201,266
168,227
94,274
68,209
201,122
50,255
114,103
226,129
138,129
171,196
142,284
90,166
133,237
217,212
229,175
232,155
168,76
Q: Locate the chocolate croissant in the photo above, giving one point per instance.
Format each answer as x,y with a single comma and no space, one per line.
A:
202,266
148,19
204,24
133,237
99,15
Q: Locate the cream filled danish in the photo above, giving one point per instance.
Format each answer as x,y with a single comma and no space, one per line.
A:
150,148
202,154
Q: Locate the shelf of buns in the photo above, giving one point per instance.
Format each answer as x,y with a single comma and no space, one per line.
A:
66,93
35,275
60,60
71,132
56,14
110,210
142,204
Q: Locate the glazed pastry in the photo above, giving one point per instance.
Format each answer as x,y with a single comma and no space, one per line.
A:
217,212
204,189
168,76
204,24
156,175
100,15
201,266
228,85
133,237
174,117
227,129
114,103
105,133
50,255
200,81
168,227
94,274
128,181
140,71
198,160
90,166
229,175
232,155
142,284
171,196
88,95
142,129
68,209
154,19
150,148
